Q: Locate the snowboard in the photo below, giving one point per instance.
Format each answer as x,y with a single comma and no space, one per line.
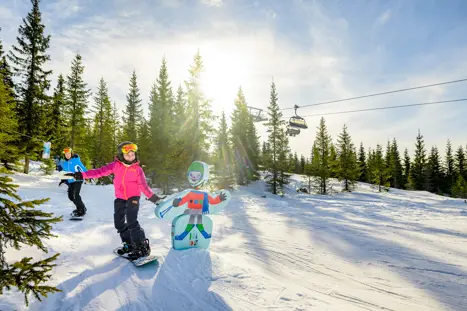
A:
165,209
194,239
140,261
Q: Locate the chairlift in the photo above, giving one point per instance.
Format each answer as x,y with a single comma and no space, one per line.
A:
257,117
292,131
297,122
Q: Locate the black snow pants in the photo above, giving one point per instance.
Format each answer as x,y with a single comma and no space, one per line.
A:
73,194
126,220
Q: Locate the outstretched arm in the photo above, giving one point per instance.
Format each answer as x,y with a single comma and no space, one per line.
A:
99,172
143,185
221,197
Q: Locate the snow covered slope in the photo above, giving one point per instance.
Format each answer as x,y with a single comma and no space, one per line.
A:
356,251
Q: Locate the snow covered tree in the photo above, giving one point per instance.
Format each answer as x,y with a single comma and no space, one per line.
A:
417,177
321,161
348,169
28,59
77,95
133,114
362,164
102,128
21,223
275,126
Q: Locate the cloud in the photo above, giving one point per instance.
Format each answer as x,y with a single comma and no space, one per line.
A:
384,18
212,2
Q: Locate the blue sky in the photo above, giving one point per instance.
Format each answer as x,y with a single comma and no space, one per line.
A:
315,50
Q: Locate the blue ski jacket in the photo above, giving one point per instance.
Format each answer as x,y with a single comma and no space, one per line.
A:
72,165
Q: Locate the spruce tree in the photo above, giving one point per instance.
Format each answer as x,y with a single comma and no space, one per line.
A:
460,165
283,163
103,130
241,138
21,223
406,169
223,158
450,169
348,169
379,170
29,58
6,74
56,131
8,127
459,189
302,164
77,96
117,136
435,176
321,161
333,161
133,114
395,166
145,146
199,113
362,164
419,165
274,125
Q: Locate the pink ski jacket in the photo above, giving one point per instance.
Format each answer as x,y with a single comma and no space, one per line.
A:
129,180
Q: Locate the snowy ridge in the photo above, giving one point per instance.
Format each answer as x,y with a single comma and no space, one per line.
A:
349,251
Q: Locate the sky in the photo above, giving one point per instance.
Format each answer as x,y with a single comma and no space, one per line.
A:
314,51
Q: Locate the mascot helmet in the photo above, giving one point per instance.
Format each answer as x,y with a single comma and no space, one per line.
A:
198,173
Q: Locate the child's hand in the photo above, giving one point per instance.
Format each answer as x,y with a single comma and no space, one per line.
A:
154,198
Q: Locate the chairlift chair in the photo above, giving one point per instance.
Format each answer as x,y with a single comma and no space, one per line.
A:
258,117
297,121
292,131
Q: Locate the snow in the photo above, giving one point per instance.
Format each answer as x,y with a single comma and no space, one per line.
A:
363,250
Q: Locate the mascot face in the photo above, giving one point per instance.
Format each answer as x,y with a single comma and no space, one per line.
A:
198,173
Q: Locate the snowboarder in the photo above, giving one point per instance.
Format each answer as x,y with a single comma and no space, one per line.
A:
129,181
72,163
198,201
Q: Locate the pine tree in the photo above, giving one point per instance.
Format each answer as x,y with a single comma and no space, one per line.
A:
22,224
223,159
379,170
199,113
321,161
406,170
283,165
253,147
8,127
6,74
274,125
77,95
56,131
395,166
29,58
459,189
296,164
103,131
145,146
133,114
333,161
348,169
302,164
435,176
450,169
417,177
460,163
117,136
362,164
241,138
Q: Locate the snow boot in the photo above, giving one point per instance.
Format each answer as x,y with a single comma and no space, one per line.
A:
78,213
125,249
140,250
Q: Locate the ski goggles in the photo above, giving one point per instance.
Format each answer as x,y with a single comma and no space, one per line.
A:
129,147
67,150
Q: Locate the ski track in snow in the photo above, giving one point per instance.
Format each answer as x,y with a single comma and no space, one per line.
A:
349,251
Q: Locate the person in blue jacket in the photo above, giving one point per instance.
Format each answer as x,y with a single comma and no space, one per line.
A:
72,163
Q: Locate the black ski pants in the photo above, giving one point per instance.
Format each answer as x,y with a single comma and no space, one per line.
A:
74,189
126,220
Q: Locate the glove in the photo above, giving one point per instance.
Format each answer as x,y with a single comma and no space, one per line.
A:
154,198
176,202
223,196
76,175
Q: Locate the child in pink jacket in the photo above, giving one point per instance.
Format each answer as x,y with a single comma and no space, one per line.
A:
129,181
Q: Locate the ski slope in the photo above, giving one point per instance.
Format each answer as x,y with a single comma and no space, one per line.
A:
349,251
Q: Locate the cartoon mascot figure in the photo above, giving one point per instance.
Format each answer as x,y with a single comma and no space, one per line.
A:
190,208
